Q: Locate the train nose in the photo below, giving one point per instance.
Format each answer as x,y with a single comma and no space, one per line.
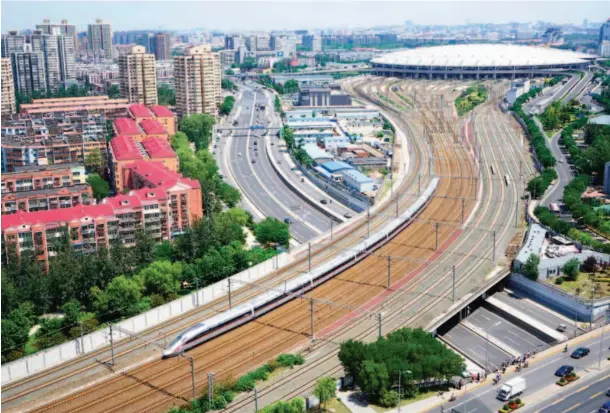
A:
167,353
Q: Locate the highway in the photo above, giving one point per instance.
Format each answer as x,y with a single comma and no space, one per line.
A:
579,87
564,172
420,279
542,394
559,91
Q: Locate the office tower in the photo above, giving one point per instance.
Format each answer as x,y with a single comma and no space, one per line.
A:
163,47
197,81
100,39
29,71
64,29
12,43
8,88
138,76
147,40
604,31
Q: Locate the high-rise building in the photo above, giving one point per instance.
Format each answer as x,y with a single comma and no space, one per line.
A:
64,28
604,48
232,42
8,106
59,56
100,39
29,71
138,76
163,46
197,81
313,42
604,31
147,40
12,42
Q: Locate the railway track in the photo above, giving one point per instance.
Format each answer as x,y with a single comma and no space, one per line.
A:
157,385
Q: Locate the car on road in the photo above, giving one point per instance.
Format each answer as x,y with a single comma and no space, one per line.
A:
348,215
605,408
253,160
288,221
323,201
564,370
580,352
279,161
239,154
235,123
608,392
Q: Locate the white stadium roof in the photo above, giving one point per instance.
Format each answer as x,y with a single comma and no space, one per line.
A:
483,55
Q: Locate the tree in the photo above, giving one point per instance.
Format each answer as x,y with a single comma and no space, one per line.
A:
590,264
166,95
352,354
227,105
530,268
272,231
14,338
121,298
571,269
162,278
94,159
114,92
373,378
198,129
325,389
144,250
72,311
99,186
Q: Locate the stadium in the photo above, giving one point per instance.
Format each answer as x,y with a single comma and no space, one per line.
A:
479,61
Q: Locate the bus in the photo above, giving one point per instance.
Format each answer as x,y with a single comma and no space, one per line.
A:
554,208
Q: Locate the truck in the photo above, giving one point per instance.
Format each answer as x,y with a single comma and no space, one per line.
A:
512,388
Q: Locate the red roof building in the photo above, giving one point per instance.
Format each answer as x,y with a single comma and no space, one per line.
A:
124,148
166,117
138,111
127,126
153,128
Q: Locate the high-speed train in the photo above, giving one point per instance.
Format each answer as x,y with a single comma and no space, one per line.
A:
267,301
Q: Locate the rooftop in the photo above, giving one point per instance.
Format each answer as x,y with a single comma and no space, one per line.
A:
80,212
152,127
161,111
315,152
158,148
336,166
138,110
534,243
125,148
40,168
46,191
483,55
158,174
357,176
126,126
600,120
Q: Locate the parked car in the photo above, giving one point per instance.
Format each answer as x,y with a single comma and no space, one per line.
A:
323,201
564,370
580,352
605,408
348,215
253,160
562,327
288,221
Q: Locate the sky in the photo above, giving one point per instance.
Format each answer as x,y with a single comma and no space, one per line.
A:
292,14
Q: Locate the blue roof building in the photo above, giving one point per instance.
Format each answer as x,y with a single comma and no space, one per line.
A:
336,166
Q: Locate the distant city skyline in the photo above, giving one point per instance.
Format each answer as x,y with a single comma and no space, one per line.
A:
268,15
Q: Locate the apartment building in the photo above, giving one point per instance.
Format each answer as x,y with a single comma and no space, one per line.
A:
12,43
32,178
164,210
99,35
124,150
8,105
29,71
197,81
166,117
63,28
163,46
47,199
111,108
138,76
59,56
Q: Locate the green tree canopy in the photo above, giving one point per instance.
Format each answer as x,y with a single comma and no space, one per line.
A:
530,268
325,390
94,159
166,95
571,269
122,297
272,231
114,92
99,186
162,278
198,129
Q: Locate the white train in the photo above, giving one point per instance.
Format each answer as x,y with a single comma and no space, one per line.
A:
267,301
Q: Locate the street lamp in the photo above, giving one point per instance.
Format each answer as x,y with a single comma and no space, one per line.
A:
399,376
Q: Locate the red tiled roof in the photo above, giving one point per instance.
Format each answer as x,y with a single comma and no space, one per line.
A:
152,127
159,175
138,110
57,215
162,111
126,201
158,148
126,126
125,148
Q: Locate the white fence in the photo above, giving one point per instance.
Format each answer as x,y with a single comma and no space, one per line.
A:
29,365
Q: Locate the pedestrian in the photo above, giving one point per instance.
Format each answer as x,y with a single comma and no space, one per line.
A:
478,377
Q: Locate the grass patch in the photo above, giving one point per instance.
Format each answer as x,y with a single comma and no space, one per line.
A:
585,284
470,98
335,404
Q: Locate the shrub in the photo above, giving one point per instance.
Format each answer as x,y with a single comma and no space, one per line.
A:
559,280
505,407
290,360
518,401
388,398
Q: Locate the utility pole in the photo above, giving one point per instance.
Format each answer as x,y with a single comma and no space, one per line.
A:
331,229
255,400
210,388
389,271
517,213
192,362
111,345
313,335
453,290
82,339
494,248
197,291
230,297
436,230
396,206
309,255
379,323
368,220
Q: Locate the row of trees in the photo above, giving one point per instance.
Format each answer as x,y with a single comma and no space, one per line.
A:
557,115
414,355
289,87
166,95
226,84
299,154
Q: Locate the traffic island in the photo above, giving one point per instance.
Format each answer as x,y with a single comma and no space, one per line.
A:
564,381
511,406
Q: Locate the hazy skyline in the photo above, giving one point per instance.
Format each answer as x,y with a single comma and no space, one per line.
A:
265,15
